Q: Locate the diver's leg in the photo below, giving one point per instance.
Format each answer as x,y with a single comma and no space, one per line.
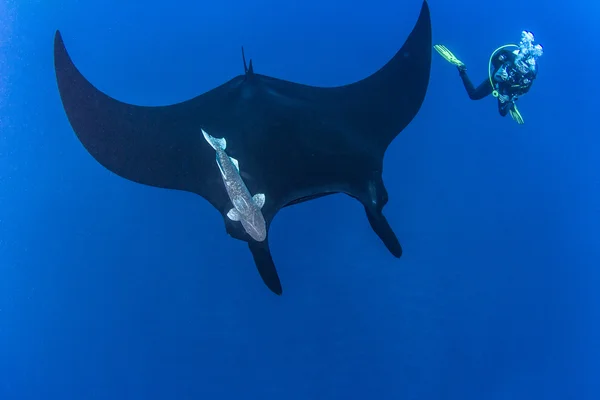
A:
504,107
475,93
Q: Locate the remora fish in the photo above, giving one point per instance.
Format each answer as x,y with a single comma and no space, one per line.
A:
246,208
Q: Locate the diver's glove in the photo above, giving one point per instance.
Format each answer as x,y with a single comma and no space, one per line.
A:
501,74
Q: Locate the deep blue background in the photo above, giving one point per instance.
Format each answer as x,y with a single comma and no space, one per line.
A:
113,290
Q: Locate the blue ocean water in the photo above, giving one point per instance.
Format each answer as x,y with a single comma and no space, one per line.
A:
113,290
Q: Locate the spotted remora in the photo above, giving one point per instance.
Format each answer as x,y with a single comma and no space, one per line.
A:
246,208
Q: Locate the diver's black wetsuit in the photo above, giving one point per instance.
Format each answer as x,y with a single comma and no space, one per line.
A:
516,85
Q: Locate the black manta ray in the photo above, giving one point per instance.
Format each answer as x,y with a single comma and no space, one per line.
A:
289,142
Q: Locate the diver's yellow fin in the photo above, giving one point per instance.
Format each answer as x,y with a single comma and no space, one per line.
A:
447,54
516,115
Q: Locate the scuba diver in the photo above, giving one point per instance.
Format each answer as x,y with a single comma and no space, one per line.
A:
510,74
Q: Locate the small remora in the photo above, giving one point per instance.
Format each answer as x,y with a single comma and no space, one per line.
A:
246,208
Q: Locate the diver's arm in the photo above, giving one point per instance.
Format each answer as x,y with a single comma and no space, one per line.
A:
475,93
